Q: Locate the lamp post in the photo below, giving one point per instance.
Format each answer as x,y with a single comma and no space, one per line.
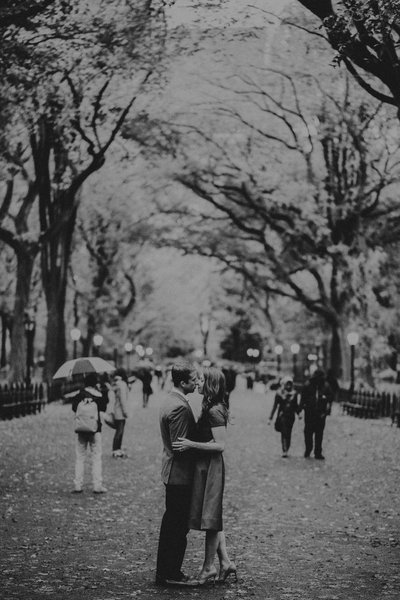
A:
294,349
75,334
205,329
97,342
140,351
352,339
253,354
128,349
278,351
30,326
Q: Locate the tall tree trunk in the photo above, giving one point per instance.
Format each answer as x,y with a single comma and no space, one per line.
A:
5,328
337,362
25,263
55,351
55,260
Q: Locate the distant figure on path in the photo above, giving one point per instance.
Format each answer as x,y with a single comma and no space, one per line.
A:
286,403
120,409
89,394
176,420
144,373
230,380
316,401
209,475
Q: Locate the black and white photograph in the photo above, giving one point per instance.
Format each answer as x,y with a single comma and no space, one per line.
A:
199,299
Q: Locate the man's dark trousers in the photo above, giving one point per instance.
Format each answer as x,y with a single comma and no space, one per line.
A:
174,529
314,426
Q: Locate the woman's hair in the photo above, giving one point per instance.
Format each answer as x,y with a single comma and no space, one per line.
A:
214,388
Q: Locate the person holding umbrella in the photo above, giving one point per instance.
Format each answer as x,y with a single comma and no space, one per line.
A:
87,403
84,440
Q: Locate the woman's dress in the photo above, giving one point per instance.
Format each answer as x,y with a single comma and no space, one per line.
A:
209,475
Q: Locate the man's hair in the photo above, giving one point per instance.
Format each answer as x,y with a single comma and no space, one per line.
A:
181,372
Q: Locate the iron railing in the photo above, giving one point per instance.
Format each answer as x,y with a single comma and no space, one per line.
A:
21,399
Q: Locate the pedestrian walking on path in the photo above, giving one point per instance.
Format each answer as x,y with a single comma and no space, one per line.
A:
176,420
209,475
286,405
316,401
120,394
88,435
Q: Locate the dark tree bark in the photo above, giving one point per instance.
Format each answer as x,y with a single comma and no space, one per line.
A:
25,264
366,48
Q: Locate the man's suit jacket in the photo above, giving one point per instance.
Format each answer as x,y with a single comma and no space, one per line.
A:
176,420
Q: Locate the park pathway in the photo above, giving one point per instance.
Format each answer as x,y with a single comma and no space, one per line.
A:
298,529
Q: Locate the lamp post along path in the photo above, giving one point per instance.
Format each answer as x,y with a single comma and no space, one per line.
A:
75,336
278,351
295,349
97,342
352,339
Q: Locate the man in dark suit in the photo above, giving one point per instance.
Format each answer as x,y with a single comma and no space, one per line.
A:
316,400
176,420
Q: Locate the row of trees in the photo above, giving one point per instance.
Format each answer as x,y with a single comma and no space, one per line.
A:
70,75
292,185
286,178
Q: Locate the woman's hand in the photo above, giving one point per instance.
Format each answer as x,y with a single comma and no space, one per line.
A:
182,444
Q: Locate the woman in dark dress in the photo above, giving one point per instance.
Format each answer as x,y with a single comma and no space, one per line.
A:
286,403
209,475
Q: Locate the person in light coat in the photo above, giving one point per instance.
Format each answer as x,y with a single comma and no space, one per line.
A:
120,393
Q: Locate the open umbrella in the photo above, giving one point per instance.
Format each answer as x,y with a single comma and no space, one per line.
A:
82,366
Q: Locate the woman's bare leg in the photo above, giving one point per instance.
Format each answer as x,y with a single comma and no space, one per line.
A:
224,560
210,552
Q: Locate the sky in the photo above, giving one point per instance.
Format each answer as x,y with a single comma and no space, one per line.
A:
224,13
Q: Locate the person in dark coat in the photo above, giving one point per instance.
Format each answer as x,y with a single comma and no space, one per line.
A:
230,379
176,419
316,401
286,403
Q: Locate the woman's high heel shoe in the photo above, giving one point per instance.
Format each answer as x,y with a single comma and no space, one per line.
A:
207,577
224,573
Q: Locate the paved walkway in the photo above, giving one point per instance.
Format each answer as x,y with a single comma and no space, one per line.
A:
297,528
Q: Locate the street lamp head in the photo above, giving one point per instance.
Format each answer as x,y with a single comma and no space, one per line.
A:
140,350
128,347
295,348
278,349
204,323
353,338
97,340
75,334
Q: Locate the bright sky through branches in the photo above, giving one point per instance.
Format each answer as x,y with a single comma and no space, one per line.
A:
224,13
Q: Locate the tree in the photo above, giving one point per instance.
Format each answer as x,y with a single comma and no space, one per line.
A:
66,69
104,267
365,35
298,227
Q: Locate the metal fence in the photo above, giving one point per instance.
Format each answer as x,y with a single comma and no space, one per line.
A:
371,404
21,399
